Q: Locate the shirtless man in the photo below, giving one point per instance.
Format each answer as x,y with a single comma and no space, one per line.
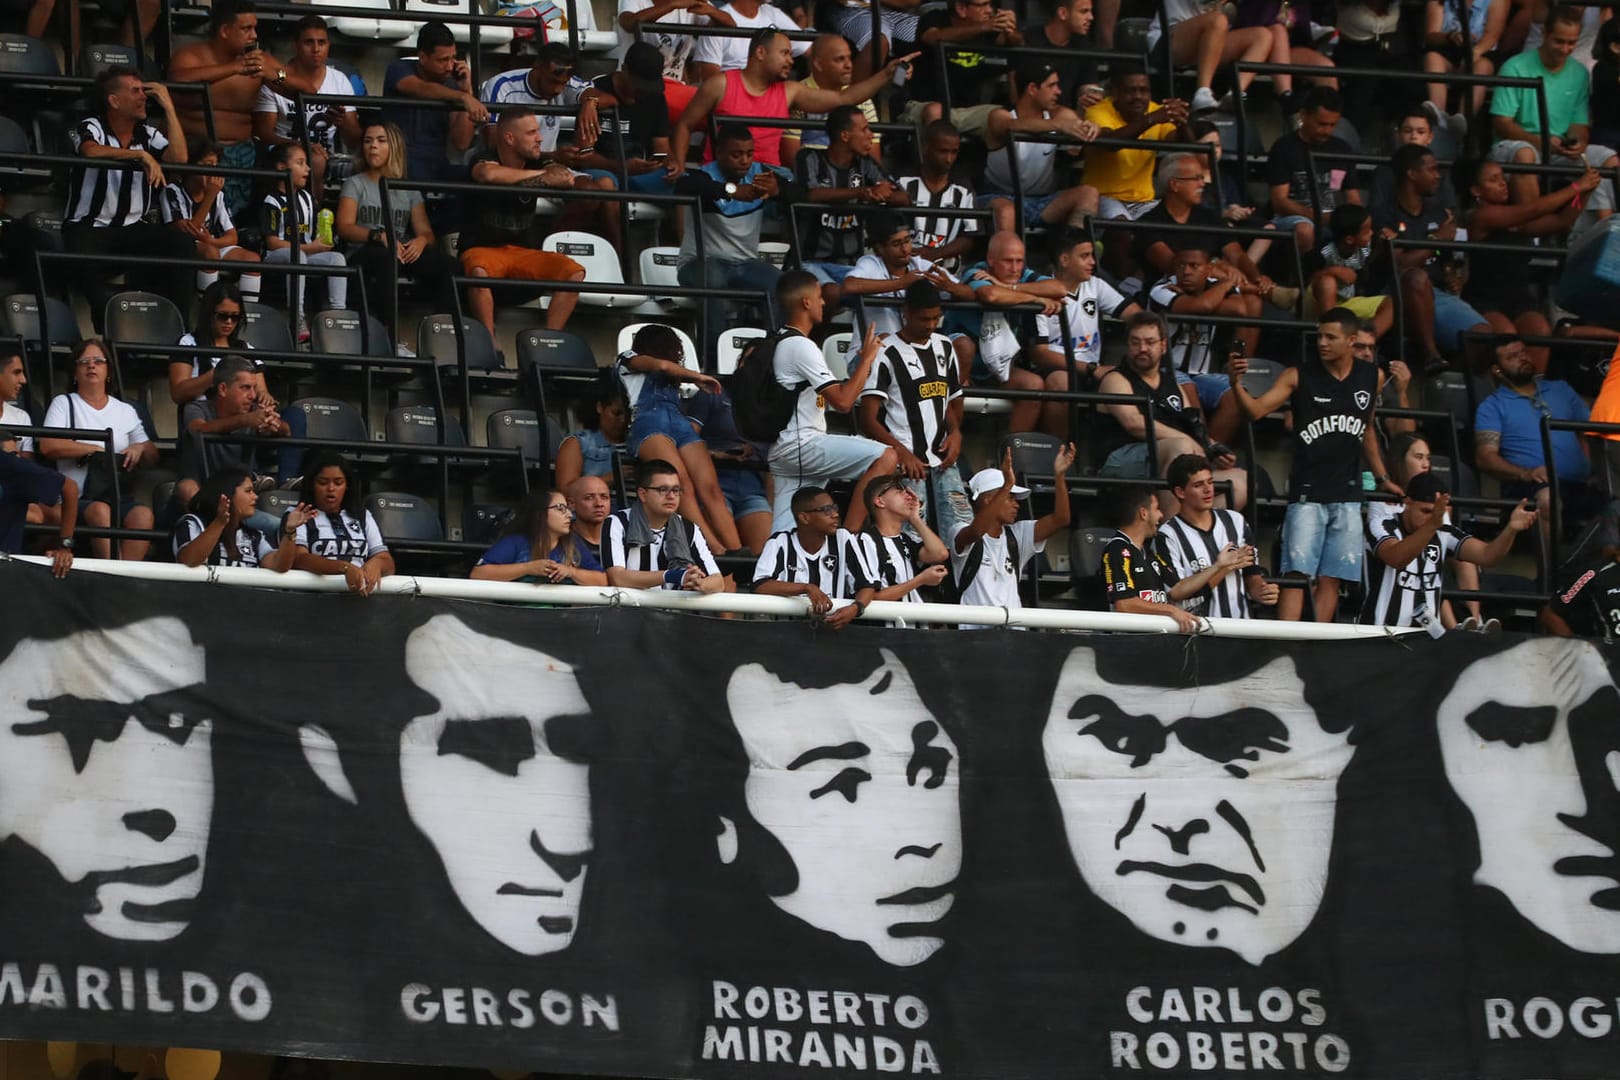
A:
231,62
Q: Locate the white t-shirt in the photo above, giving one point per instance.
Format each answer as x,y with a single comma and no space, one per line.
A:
118,415
1085,306
731,53
677,48
799,363
334,82
512,88
995,583
12,413
885,319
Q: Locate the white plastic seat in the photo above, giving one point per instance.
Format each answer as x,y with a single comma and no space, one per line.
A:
730,345
627,334
774,252
369,29
659,266
447,10
833,350
601,263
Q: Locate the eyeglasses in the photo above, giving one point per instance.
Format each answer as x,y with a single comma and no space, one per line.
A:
666,490
91,361
828,508
564,507
228,316
1189,179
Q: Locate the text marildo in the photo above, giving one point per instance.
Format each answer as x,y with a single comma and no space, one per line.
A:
780,1026
132,990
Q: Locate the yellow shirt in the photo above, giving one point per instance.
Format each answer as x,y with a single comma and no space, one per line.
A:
1126,175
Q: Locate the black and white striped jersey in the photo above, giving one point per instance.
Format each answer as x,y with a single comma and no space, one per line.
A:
176,204
342,537
891,560
837,568
917,383
1394,594
247,546
934,232
616,551
1190,549
111,196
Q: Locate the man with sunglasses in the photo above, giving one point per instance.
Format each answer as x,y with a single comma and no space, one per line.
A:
1507,436
819,560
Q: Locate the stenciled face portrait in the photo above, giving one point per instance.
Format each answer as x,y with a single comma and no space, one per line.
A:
1531,743
106,769
1202,814
859,783
495,781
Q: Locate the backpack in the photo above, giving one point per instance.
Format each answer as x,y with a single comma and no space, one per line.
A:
958,583
761,405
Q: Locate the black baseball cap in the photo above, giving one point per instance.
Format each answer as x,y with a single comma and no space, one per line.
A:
1425,486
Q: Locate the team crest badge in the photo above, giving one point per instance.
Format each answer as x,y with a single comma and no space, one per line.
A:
1363,399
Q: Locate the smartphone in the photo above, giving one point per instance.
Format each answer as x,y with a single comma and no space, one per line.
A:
657,157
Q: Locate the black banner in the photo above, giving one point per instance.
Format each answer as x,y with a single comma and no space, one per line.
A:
631,843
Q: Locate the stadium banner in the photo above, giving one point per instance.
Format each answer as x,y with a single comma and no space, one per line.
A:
642,844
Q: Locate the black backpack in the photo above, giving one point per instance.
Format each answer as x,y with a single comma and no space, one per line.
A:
760,404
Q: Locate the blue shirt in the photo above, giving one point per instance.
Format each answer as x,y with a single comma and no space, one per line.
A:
515,549
967,321
23,482
1518,420
426,131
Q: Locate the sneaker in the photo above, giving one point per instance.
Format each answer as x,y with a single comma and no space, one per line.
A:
1204,100
1284,296
1470,623
403,351
1457,124
1437,119
292,485
1491,626
303,331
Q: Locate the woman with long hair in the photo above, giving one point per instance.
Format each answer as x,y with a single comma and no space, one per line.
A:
402,241
604,426
215,530
220,318
341,536
92,406
539,545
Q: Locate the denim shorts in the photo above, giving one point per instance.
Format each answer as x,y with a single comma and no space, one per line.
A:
1034,205
1323,540
1452,315
744,490
1210,389
661,420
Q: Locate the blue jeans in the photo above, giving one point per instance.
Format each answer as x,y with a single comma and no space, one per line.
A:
290,459
755,274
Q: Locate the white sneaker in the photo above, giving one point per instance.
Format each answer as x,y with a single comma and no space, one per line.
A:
405,352
1204,100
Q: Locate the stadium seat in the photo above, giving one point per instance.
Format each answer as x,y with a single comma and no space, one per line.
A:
436,341
516,429
277,501
1447,391
163,495
729,348
627,334
338,333
834,351
402,516
601,262
419,425
13,139
94,59
369,29
24,55
775,252
329,418
19,318
658,267
481,523
1032,454
554,351
447,12
265,327
1262,376
143,318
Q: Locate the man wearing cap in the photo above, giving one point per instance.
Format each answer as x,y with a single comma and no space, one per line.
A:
1409,552
634,114
988,554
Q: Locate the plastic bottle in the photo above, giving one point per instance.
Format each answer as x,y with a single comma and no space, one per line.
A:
323,227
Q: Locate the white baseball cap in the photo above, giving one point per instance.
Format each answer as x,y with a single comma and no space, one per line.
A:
987,480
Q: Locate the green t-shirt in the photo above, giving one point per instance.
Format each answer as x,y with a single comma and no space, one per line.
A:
1568,91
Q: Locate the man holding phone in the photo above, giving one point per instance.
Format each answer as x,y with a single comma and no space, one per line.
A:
634,121
436,74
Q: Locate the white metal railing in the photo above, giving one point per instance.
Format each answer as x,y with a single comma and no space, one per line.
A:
737,603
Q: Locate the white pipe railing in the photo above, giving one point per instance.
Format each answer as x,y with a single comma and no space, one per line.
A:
735,603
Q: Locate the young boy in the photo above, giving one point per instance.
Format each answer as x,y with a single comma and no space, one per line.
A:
195,205
1344,261
989,553
288,213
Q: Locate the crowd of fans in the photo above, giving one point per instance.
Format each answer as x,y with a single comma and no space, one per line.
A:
987,197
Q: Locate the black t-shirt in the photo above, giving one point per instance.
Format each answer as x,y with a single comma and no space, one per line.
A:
1147,235
1588,599
975,78
1129,571
829,235
1330,418
645,119
1289,163
1073,72
503,215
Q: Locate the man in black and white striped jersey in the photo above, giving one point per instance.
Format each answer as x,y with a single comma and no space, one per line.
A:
816,559
941,240
892,554
1409,553
1194,539
648,545
107,207
912,402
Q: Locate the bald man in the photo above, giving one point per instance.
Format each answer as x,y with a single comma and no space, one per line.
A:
591,502
832,66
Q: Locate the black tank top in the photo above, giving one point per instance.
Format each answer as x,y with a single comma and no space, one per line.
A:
1170,409
1330,418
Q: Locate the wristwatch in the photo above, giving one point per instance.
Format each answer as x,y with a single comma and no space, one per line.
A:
731,190
65,543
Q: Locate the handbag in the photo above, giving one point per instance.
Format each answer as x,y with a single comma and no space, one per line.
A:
98,485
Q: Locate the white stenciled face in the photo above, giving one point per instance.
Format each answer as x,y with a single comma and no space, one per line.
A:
859,783
1203,815
106,769
1531,742
485,780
